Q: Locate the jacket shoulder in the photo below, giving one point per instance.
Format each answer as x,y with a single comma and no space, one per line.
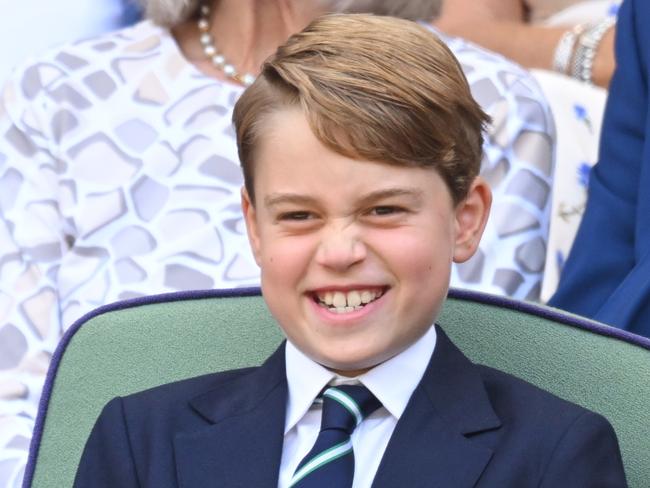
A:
513,397
183,390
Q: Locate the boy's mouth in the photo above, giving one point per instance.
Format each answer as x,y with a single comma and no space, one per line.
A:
347,301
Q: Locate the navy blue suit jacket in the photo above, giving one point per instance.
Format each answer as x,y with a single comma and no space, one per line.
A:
607,274
465,426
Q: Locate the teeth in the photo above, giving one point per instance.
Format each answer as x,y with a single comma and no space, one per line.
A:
341,302
367,296
354,299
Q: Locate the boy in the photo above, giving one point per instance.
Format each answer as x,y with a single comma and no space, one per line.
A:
360,144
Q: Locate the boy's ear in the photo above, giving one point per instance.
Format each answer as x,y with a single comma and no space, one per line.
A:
250,217
471,217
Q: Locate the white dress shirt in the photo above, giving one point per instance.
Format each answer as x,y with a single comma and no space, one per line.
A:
392,382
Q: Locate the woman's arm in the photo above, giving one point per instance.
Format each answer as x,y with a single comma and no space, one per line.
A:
500,25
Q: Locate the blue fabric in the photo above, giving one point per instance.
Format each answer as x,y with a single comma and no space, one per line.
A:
131,12
465,425
607,274
337,425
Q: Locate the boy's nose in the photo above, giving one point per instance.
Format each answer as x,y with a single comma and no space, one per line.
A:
340,248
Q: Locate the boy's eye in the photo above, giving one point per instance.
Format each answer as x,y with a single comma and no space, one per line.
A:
385,210
297,215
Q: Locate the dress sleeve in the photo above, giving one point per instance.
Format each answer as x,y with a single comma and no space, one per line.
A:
32,243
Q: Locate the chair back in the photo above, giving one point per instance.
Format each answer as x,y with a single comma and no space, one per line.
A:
137,344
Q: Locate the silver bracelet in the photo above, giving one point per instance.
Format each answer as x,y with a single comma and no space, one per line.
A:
565,47
583,60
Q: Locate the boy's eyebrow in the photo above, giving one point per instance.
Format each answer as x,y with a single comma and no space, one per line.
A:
415,193
279,198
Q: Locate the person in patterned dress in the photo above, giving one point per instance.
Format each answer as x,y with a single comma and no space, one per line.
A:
119,176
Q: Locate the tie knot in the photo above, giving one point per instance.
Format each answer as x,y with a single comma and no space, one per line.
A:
345,406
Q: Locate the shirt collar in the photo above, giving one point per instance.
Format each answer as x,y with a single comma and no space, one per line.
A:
306,378
394,381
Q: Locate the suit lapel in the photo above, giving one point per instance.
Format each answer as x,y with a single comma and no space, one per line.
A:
241,445
431,444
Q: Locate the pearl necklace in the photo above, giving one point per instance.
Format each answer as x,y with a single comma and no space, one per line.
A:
211,51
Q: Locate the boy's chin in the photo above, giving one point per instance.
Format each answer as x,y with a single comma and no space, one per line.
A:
352,369
351,373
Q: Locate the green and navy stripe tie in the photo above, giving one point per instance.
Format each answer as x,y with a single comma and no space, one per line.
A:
330,463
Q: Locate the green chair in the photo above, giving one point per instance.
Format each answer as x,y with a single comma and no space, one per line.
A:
137,344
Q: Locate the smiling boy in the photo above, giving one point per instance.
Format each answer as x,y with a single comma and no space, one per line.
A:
361,145
355,255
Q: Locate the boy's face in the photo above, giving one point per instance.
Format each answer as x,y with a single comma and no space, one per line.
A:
355,255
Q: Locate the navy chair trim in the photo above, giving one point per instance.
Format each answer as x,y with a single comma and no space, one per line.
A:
472,296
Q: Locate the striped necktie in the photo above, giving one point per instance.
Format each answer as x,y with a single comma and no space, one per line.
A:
330,463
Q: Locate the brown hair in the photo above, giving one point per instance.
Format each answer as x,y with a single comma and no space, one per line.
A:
375,88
